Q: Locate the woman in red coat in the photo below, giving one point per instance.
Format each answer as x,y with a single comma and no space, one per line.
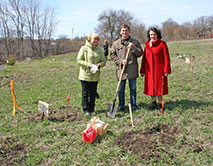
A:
155,66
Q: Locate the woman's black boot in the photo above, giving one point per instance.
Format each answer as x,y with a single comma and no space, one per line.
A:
154,105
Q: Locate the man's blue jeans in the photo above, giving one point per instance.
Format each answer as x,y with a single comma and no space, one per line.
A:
121,93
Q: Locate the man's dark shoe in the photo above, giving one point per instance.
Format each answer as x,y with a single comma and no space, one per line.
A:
135,110
87,113
120,108
94,113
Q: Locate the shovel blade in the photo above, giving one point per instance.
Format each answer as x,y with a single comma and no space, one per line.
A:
110,112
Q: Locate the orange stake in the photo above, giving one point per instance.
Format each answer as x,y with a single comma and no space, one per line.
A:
162,102
68,98
14,98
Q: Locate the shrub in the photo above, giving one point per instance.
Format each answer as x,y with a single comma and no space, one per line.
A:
11,60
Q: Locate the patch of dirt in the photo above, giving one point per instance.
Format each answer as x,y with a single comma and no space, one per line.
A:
197,148
5,80
61,114
150,143
10,153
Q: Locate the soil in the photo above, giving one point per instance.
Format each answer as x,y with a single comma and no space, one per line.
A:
153,141
147,144
61,114
12,153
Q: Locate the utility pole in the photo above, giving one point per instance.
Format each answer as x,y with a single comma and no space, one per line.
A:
72,33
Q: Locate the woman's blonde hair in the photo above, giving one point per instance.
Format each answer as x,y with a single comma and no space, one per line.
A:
93,36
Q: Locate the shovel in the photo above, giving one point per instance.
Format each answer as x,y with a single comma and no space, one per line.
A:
112,109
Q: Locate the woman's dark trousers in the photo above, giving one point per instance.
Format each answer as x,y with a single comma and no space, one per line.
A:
88,95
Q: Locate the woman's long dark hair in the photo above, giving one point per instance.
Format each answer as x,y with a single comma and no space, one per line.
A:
157,31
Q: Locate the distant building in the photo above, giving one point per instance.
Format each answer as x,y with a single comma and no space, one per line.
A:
206,36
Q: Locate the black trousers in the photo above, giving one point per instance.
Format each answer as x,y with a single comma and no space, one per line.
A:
88,95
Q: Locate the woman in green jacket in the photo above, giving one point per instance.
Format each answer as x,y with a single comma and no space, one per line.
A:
90,59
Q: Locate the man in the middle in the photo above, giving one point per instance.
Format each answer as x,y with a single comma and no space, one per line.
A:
118,55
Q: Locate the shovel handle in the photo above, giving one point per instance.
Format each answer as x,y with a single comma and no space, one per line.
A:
119,83
113,106
122,72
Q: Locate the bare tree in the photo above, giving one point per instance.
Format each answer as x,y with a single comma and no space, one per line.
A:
200,25
170,30
186,31
40,27
5,30
110,22
31,15
209,22
138,31
17,17
45,26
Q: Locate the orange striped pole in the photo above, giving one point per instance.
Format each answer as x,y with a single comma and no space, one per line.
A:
14,99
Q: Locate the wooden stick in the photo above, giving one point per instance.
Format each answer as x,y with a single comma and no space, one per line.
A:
42,116
162,100
130,111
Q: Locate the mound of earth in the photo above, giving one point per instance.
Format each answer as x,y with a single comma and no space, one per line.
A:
61,114
151,142
12,153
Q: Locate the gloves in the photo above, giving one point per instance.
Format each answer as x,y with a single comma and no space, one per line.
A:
93,68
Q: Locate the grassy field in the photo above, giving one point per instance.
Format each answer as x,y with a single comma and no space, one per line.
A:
183,136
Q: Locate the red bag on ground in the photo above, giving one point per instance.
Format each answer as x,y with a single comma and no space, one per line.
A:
89,134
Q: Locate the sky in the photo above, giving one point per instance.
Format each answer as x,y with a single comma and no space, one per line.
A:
80,17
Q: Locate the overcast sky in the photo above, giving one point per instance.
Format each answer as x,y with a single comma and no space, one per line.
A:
82,15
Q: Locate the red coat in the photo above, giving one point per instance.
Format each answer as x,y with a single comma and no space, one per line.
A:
154,65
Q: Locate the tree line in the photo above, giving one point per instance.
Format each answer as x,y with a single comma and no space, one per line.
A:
27,29
110,20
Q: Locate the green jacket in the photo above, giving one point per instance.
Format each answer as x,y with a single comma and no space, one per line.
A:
88,55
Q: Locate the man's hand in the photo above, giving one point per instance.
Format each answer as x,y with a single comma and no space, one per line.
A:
125,62
131,45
